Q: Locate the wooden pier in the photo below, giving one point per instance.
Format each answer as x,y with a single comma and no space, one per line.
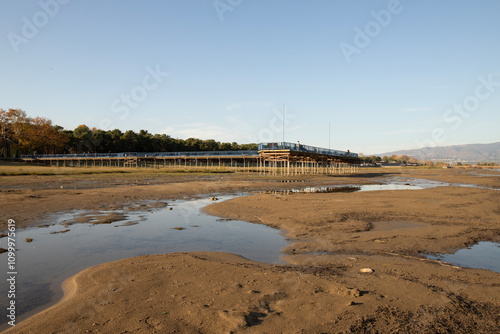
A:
270,159
297,159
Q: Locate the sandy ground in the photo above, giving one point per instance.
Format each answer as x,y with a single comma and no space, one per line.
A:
30,199
406,222
322,290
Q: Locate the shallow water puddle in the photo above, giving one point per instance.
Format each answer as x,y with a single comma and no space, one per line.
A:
56,253
320,189
425,184
483,255
396,183
344,189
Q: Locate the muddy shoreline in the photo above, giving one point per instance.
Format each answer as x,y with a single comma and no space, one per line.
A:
322,290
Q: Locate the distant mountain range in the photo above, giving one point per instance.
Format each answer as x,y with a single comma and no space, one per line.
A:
457,153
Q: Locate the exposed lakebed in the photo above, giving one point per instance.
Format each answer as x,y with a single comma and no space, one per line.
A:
80,239
391,184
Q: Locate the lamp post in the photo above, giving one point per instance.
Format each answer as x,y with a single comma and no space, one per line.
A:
329,126
284,115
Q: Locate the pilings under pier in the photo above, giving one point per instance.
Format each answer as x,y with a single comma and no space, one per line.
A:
272,159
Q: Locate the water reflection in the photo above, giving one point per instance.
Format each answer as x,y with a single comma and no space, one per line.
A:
331,189
484,255
53,256
344,189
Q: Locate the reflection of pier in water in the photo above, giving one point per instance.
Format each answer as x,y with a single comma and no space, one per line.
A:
314,190
270,159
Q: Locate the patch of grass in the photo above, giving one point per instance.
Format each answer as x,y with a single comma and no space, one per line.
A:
41,171
194,171
23,169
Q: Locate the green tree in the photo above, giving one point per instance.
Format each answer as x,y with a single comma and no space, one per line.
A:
130,140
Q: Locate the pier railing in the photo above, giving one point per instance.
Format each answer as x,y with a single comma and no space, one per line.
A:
263,146
305,148
143,155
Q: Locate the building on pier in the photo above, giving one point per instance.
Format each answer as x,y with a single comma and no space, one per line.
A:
295,159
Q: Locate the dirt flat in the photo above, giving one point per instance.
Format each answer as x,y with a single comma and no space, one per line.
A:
355,264
31,199
439,219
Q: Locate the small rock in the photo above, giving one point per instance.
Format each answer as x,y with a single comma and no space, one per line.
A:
178,228
29,239
214,199
170,208
351,303
353,292
366,270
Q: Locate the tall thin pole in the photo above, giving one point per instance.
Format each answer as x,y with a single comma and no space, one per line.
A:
284,115
329,127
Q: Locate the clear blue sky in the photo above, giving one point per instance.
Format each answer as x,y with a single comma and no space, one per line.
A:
232,65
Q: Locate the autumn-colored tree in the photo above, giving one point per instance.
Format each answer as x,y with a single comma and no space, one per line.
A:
13,127
20,134
412,160
43,137
5,133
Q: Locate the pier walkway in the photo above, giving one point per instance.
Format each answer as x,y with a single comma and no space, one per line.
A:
270,159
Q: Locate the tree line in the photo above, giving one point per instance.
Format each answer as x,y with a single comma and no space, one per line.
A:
24,135
400,159
410,160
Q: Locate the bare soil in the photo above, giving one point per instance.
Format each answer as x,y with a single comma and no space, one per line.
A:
321,290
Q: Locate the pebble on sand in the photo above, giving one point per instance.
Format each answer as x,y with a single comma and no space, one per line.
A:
366,270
